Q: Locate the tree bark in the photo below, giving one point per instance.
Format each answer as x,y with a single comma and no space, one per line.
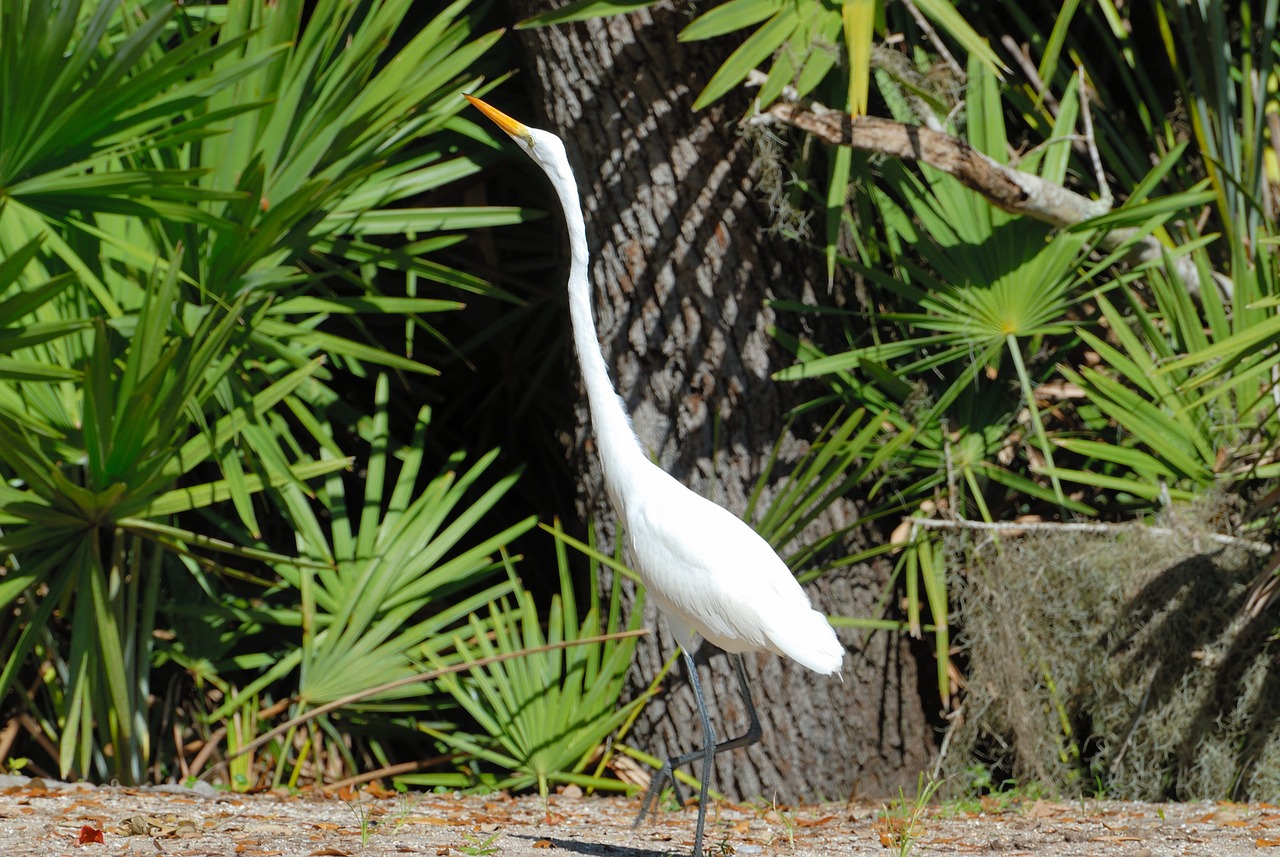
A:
683,262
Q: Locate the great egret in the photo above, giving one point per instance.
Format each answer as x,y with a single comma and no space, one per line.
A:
709,572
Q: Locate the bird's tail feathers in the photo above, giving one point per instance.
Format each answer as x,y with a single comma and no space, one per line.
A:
811,642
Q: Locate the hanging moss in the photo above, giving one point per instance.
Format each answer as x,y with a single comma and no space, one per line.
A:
1128,661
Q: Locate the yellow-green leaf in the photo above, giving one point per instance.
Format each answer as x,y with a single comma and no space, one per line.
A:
859,30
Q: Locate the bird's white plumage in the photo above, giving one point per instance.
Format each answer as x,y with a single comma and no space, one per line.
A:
706,569
710,572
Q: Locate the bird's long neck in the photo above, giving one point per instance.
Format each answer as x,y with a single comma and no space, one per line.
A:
620,452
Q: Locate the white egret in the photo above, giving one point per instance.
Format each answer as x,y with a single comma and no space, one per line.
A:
708,571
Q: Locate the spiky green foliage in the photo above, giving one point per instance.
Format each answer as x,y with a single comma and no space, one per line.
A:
194,226
89,507
384,578
1033,375
548,713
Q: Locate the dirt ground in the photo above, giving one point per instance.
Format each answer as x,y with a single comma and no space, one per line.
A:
50,819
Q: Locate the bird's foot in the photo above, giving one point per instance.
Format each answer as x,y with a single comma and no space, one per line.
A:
654,793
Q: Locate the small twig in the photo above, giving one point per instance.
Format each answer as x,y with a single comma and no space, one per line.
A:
1265,590
938,45
37,734
388,771
1028,68
207,751
955,719
756,79
179,752
1104,189
1078,527
8,735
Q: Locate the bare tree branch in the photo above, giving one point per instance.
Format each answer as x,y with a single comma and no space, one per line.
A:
1021,57
1006,188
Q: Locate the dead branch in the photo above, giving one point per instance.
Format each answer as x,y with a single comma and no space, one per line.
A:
1006,188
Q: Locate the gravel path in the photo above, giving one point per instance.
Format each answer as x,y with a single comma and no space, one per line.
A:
52,819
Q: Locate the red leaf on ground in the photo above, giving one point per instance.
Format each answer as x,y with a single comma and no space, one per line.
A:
90,835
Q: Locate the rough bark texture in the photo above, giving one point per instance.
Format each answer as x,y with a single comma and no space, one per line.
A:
682,266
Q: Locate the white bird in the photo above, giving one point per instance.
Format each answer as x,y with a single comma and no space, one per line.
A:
708,571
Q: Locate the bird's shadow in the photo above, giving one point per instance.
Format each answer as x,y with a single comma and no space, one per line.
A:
600,849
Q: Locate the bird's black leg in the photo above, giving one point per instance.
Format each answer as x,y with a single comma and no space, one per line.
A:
708,751
752,735
708,756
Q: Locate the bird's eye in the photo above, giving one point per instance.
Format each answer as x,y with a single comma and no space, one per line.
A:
528,139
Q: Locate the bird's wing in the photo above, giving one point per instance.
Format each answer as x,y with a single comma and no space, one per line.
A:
712,570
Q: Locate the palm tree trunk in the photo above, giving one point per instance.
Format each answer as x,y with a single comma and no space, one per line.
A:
683,261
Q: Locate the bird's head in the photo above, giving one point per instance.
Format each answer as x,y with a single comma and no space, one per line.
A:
545,148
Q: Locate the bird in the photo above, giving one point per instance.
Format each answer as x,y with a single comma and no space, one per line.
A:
709,572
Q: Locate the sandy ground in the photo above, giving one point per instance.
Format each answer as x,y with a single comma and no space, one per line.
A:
50,819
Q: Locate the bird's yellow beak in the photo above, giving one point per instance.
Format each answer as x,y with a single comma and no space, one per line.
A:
513,127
